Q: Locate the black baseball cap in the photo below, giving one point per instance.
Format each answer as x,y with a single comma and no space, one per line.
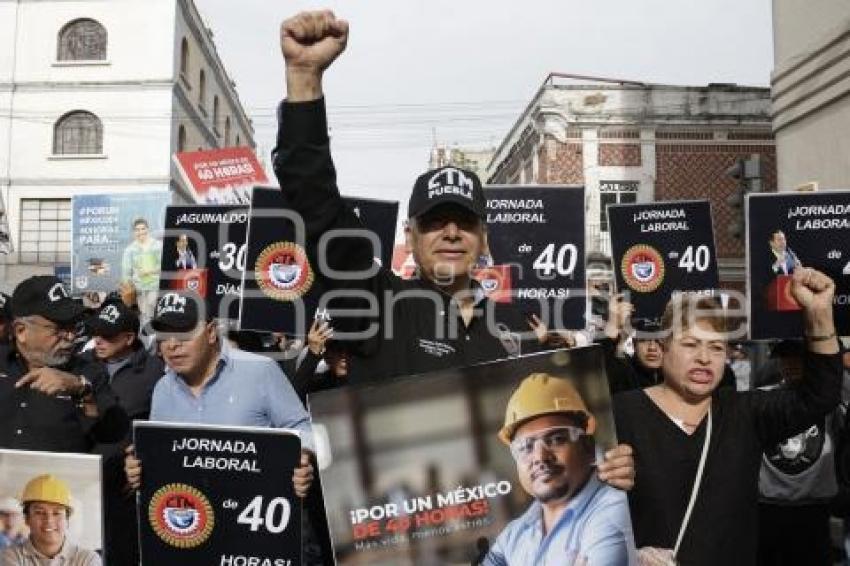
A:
447,185
46,296
646,326
179,311
113,318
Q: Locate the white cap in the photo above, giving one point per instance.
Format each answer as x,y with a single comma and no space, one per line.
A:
10,505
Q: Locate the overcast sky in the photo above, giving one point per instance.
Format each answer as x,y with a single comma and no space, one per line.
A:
461,71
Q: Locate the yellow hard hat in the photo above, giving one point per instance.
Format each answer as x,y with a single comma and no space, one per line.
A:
542,394
47,488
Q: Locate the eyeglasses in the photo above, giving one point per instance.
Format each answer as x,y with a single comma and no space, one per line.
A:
555,437
55,330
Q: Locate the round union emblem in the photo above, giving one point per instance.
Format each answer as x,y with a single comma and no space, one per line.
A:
283,272
642,268
181,515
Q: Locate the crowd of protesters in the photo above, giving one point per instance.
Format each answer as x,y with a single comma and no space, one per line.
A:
725,460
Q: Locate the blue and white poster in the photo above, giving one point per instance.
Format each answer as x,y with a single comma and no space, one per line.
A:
117,238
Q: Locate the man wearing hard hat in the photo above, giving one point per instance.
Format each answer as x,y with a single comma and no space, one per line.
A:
575,518
47,508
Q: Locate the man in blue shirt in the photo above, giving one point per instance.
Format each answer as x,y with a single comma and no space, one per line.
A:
575,518
208,382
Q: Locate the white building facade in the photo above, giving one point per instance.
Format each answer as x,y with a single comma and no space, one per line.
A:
95,97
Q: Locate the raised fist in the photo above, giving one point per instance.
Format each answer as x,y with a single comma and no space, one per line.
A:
812,289
310,41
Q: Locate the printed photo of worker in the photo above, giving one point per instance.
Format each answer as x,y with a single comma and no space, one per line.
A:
470,466
50,509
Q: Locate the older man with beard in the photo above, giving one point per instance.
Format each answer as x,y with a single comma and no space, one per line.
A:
51,399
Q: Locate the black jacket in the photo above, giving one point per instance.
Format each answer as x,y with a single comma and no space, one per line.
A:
133,384
723,527
417,328
31,420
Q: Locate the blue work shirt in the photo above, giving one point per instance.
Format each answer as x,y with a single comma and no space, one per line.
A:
246,390
594,530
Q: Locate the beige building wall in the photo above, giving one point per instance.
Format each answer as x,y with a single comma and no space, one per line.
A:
810,88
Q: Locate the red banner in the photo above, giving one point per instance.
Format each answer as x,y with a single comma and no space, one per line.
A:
221,176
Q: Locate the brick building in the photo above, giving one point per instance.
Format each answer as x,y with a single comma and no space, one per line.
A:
635,142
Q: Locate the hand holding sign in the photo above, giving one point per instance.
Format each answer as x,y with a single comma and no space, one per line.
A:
132,467
619,312
302,478
618,468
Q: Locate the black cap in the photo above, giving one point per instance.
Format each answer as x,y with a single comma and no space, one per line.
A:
646,325
447,185
5,307
46,296
113,318
178,311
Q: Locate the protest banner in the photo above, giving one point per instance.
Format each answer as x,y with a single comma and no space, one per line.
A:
204,251
786,231
284,279
659,249
417,471
117,237
221,176
537,243
218,495
55,478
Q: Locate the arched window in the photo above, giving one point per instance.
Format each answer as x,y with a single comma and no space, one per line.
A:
181,138
215,113
78,133
184,57
202,89
82,40
227,132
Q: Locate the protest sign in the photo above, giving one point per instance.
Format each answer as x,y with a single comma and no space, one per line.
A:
218,495
204,251
416,470
117,237
537,243
786,231
284,282
75,478
221,176
659,249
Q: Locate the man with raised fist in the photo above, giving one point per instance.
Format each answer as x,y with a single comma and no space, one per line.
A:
442,318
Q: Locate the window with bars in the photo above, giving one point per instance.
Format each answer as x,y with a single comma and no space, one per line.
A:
615,192
82,40
78,133
45,232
